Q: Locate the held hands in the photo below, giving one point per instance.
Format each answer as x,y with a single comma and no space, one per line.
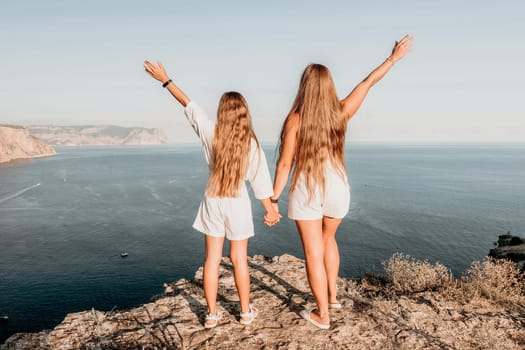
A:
157,71
272,216
401,48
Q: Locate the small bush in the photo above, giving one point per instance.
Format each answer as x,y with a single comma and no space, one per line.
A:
410,275
494,279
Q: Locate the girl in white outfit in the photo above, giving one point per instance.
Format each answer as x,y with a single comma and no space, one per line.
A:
233,155
312,144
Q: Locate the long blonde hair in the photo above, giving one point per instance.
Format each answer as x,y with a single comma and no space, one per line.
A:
322,129
231,146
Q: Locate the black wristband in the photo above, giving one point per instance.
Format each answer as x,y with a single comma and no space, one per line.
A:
274,201
166,83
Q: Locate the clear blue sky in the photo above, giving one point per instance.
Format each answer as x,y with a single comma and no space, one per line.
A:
80,62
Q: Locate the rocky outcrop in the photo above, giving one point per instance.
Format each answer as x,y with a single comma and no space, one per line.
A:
97,135
17,143
510,247
369,319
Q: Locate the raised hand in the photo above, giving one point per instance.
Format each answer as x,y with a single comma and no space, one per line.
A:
401,48
157,71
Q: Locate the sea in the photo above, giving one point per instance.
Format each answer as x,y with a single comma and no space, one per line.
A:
65,220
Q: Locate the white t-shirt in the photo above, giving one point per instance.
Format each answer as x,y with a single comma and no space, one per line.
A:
230,216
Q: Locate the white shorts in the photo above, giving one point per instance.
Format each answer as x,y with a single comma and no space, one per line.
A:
226,217
335,203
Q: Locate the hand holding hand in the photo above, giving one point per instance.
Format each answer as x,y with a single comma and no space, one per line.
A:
401,48
272,217
157,71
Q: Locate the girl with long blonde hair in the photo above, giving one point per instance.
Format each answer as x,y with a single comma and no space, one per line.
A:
233,155
312,148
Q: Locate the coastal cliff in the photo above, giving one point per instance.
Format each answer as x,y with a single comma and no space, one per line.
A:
97,135
416,305
17,143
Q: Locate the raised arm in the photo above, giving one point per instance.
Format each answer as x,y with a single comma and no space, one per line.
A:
353,101
158,72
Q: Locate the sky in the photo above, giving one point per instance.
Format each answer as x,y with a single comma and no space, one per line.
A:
69,62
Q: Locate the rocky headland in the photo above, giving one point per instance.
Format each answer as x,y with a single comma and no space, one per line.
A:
416,305
16,142
97,135
510,247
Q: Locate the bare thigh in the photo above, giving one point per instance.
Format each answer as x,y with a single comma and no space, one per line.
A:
330,226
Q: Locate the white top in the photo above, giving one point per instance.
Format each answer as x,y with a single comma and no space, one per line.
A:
258,173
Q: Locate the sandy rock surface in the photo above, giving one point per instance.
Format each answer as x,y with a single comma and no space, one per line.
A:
280,291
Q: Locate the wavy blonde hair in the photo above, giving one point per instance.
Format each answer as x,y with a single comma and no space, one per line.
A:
231,146
322,129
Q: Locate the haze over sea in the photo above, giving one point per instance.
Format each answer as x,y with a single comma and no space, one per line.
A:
65,220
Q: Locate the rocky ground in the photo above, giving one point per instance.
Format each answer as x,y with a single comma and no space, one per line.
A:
371,318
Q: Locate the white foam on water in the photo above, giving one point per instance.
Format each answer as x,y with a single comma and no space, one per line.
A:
157,196
154,194
19,193
92,191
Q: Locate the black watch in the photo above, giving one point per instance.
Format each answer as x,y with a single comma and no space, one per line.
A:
274,201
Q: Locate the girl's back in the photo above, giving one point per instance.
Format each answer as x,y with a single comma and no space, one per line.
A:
230,166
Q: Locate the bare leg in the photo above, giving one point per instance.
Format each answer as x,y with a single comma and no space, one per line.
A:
210,278
331,255
239,259
313,246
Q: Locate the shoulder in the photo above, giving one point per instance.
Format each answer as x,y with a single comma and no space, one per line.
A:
292,122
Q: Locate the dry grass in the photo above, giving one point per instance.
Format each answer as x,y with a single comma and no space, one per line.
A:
498,280
409,275
494,279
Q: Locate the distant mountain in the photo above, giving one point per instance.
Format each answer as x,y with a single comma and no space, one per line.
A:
97,135
17,143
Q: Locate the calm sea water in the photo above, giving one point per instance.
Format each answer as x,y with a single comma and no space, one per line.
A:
65,220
